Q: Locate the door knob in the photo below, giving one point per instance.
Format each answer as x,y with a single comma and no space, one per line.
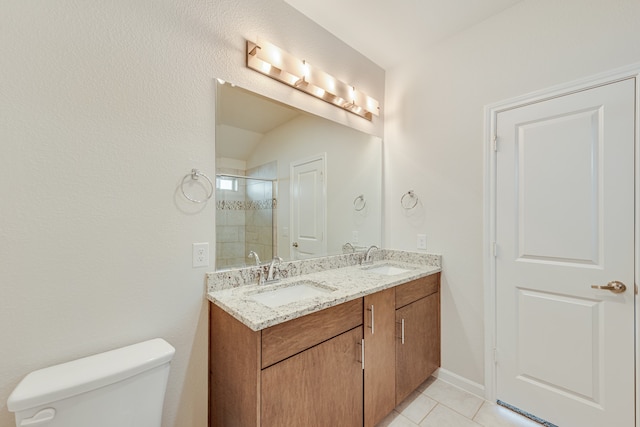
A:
294,244
614,286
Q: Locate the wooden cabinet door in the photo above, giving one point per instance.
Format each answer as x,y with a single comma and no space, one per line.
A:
419,355
380,356
234,363
321,386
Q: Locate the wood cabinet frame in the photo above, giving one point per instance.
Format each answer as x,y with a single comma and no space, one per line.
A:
244,363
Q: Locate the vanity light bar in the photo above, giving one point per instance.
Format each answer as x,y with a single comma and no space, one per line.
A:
274,62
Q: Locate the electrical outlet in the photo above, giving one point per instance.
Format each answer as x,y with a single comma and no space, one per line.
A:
354,236
421,241
201,254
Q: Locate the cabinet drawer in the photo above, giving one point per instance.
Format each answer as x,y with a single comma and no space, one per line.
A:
416,289
289,338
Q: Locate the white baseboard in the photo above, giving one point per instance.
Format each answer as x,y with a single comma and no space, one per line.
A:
460,382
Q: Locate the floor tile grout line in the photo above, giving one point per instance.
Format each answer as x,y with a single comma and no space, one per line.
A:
455,410
478,410
407,418
430,410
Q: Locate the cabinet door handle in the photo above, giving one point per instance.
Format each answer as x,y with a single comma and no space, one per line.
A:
372,319
361,344
402,336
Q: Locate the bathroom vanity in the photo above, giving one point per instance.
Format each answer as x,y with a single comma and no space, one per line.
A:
346,357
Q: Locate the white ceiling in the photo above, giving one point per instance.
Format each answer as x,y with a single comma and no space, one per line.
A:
244,117
387,31
246,110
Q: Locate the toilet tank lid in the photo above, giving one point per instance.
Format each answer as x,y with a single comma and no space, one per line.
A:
82,375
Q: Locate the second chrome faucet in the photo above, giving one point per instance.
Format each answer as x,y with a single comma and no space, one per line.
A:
367,259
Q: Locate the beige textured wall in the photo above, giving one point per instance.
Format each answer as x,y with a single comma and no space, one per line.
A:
434,134
104,107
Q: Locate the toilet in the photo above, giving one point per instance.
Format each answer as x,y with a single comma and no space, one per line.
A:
119,388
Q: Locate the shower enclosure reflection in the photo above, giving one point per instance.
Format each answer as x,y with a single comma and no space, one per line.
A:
245,218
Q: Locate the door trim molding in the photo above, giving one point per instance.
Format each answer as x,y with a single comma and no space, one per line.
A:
489,205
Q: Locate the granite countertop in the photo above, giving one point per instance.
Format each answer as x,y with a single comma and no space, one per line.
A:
343,284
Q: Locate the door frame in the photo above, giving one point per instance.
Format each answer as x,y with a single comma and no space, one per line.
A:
491,112
292,166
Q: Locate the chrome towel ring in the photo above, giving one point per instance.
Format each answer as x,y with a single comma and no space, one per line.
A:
359,203
195,175
409,200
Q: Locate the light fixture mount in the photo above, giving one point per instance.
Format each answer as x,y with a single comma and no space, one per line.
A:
280,65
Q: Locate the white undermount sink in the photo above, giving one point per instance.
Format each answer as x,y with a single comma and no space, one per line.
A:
291,292
386,269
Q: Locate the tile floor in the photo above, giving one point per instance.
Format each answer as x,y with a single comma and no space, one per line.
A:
439,404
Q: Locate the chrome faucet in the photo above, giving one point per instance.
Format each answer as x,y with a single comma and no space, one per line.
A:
367,256
253,254
272,269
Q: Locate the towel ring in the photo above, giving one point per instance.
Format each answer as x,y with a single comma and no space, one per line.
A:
362,203
195,175
406,203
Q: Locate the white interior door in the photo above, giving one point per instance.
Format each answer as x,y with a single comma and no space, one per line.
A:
565,222
308,208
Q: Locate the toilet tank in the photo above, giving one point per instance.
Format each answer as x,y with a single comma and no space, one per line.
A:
119,388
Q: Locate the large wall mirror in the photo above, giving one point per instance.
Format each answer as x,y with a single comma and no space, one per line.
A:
291,184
